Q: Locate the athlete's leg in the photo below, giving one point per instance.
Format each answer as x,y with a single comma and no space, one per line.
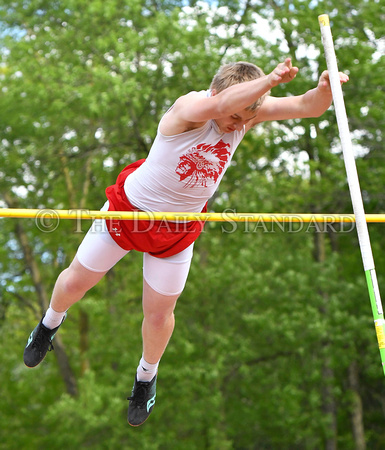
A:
163,282
158,322
96,255
72,284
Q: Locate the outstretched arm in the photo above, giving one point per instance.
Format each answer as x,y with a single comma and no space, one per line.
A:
311,104
193,109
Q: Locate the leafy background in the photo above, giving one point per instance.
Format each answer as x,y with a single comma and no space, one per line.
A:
274,346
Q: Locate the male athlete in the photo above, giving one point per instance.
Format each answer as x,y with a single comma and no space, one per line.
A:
195,142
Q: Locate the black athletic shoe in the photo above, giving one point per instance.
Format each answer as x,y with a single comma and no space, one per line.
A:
39,343
142,401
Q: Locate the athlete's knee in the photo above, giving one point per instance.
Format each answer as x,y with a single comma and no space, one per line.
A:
159,319
73,283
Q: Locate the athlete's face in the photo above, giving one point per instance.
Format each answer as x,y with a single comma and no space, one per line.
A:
236,121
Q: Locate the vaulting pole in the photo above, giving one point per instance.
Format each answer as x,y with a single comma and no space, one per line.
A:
354,185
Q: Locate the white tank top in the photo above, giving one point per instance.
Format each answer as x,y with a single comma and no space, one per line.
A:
182,171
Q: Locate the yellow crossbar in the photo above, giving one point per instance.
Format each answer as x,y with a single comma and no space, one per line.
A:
81,214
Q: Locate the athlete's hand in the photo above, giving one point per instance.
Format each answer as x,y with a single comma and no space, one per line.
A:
324,81
283,73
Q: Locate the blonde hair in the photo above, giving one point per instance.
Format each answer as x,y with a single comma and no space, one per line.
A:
235,73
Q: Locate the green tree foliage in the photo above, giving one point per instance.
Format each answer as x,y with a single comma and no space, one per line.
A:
274,346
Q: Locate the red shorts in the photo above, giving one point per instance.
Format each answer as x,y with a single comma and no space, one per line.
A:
159,238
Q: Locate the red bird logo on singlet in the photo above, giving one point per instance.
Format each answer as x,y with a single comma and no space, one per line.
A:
202,163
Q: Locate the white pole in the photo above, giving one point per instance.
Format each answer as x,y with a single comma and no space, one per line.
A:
346,143
354,185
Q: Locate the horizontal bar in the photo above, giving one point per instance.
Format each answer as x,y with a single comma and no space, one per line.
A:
82,214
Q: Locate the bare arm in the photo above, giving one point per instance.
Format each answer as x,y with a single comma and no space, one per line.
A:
193,110
311,104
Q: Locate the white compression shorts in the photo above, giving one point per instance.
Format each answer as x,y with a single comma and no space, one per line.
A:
98,252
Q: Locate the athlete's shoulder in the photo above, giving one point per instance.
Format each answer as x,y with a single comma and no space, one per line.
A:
192,95
179,118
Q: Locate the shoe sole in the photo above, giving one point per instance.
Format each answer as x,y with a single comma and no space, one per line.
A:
32,367
139,424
